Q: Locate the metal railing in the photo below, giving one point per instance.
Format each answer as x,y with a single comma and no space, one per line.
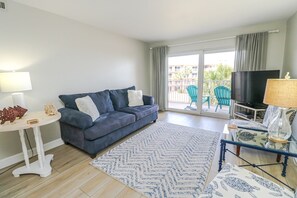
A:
178,92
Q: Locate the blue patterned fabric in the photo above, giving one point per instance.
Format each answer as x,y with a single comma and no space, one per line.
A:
119,97
237,182
164,160
141,111
107,123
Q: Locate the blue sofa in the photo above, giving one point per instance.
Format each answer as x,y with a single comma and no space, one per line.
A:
116,120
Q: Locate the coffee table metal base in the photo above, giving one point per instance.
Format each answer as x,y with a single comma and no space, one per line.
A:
223,151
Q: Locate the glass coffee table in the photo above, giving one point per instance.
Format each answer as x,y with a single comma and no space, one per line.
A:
257,140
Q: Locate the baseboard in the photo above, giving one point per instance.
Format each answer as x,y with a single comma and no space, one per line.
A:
20,156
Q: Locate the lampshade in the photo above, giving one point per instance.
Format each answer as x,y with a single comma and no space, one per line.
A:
15,81
281,92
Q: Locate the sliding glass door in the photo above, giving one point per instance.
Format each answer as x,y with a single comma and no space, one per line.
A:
197,81
217,82
183,82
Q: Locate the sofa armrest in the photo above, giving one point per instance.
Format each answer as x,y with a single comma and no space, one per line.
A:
148,100
75,118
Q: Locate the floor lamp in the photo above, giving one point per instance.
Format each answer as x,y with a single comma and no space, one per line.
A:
15,82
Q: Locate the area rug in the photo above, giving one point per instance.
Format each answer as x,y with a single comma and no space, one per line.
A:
164,160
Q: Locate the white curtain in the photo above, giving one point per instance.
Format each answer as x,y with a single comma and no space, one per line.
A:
251,52
159,56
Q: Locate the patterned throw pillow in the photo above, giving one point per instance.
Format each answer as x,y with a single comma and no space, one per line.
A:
233,181
87,106
135,98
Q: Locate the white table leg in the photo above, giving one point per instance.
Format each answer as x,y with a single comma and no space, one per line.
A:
40,144
42,166
24,148
37,141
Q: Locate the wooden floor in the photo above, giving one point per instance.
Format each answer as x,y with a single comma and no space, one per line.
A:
72,175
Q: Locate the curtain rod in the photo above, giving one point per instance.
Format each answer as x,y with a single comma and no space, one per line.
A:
210,40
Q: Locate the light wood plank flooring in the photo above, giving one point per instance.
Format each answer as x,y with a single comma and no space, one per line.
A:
72,175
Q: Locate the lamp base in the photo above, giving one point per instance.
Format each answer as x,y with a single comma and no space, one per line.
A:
277,140
18,99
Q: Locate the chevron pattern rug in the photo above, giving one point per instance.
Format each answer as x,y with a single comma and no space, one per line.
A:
164,160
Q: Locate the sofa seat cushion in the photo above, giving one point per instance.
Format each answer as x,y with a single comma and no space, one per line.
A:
141,111
108,123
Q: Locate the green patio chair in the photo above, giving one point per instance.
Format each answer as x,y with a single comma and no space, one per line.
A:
223,95
192,91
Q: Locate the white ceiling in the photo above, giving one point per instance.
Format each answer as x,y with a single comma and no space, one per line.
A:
156,20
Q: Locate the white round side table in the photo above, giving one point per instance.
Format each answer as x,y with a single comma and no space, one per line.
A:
42,166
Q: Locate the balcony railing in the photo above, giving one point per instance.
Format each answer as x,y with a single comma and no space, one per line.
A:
178,92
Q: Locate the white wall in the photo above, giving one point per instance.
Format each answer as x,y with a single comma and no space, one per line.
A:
63,56
290,61
276,42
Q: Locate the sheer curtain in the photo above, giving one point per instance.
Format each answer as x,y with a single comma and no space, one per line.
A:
251,52
159,56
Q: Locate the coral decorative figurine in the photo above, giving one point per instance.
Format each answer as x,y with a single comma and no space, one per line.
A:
19,111
11,114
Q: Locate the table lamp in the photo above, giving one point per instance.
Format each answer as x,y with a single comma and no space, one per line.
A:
15,82
283,94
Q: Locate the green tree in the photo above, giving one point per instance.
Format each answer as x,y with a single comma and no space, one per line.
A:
214,78
222,72
183,76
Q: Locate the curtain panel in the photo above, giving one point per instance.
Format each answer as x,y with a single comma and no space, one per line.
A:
159,56
251,52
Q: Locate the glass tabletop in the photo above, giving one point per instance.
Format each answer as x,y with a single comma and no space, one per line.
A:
257,139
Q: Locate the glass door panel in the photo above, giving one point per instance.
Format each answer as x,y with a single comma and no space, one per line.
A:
183,82
217,82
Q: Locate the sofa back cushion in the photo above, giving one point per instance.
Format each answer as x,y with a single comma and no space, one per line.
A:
101,99
119,97
69,100
103,102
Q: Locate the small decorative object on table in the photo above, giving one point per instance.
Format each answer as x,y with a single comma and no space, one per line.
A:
12,113
32,121
50,109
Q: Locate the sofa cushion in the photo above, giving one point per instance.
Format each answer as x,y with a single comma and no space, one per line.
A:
87,106
108,123
103,102
75,118
101,99
119,97
141,111
69,100
135,98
